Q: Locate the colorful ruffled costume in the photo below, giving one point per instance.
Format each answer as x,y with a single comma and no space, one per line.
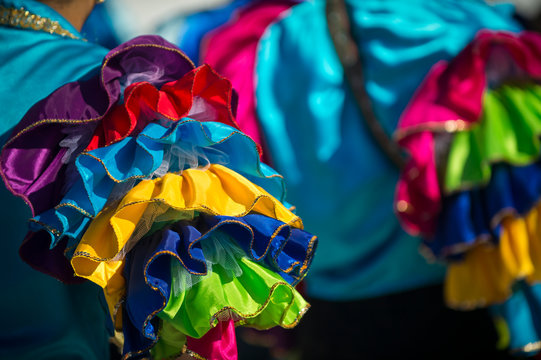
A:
298,86
139,181
471,186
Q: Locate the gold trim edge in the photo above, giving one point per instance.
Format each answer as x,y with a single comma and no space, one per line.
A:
24,19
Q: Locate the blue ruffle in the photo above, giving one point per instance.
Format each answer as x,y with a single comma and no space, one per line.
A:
135,158
285,250
272,243
476,214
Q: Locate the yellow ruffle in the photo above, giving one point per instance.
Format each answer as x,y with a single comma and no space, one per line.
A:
488,272
216,190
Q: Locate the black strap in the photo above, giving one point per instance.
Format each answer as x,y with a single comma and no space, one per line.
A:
348,52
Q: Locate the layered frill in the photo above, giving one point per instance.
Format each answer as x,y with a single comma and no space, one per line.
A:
140,181
472,185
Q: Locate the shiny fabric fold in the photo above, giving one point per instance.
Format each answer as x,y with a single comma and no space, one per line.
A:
157,150
151,274
113,169
200,94
286,250
217,191
258,298
508,132
487,274
231,49
77,108
139,181
475,216
219,343
451,99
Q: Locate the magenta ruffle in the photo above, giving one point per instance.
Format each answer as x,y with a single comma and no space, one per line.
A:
449,100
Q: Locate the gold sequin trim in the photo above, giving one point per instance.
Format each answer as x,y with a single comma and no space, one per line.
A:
24,19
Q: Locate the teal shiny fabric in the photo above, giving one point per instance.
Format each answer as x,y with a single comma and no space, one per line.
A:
341,183
522,315
43,319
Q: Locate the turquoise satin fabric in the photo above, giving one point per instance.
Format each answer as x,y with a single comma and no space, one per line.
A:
341,183
522,314
43,319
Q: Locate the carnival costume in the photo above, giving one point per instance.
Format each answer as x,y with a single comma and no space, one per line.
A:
298,87
139,180
479,205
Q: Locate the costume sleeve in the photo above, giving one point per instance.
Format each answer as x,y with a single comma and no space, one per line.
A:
472,184
140,181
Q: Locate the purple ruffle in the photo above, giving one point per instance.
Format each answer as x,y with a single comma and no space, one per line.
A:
80,105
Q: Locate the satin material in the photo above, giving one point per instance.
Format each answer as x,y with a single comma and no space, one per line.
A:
521,314
201,94
508,132
335,171
259,298
282,248
195,310
219,343
41,317
184,156
195,26
217,191
451,99
97,171
488,273
231,49
77,107
475,216
134,158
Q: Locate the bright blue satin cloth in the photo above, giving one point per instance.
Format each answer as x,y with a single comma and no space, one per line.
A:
43,319
337,177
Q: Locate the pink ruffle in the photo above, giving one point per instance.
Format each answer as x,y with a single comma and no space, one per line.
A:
219,343
449,100
231,50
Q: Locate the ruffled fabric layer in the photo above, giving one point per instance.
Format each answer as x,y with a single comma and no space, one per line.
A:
261,225
139,181
256,296
475,216
78,108
508,132
451,100
487,273
472,184
103,172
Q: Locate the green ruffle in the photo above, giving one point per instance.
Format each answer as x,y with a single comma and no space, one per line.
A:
258,298
170,342
508,132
